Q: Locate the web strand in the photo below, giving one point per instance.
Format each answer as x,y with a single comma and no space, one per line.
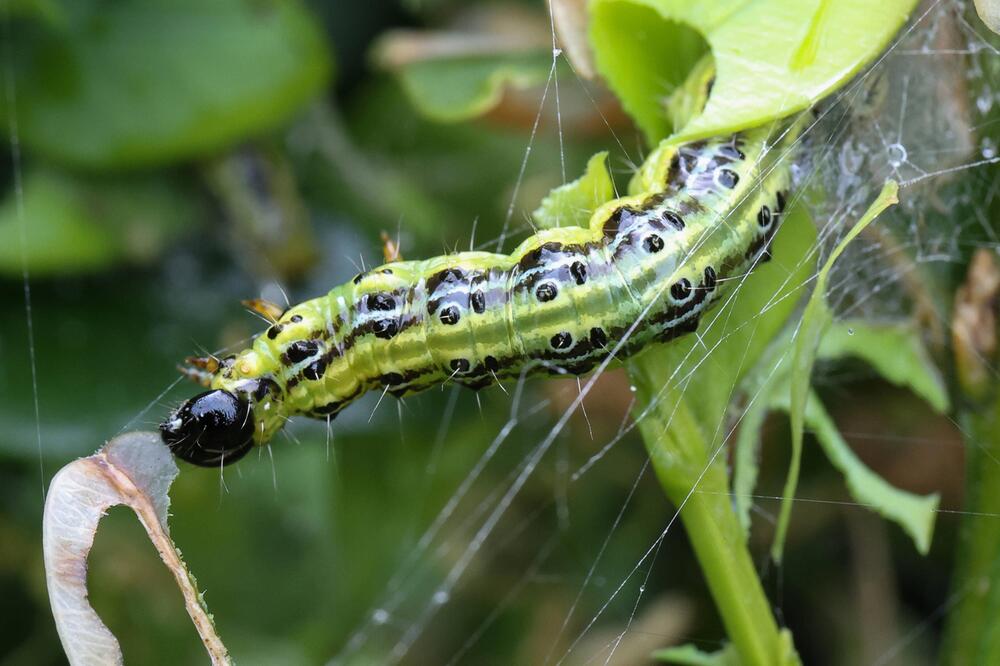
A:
10,93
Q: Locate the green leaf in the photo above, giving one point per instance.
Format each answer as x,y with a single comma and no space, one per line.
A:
815,319
894,350
74,225
914,513
645,51
573,203
689,655
146,82
454,89
772,57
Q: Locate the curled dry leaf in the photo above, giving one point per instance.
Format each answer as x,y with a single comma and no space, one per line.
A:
569,17
134,469
479,31
974,324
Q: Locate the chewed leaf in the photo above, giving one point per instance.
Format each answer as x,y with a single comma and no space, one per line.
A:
573,203
914,513
894,350
454,89
807,48
815,320
134,469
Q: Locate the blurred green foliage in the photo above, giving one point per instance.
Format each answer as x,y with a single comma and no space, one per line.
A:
86,223
138,260
84,98
451,89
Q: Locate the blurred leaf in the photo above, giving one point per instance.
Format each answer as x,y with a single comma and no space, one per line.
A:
573,203
815,320
462,71
134,83
396,168
643,48
74,225
894,350
267,217
453,89
689,655
45,10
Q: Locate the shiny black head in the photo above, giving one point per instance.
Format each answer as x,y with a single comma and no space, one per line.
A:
211,429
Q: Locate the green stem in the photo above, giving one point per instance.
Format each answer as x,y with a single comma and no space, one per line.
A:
972,635
699,486
973,631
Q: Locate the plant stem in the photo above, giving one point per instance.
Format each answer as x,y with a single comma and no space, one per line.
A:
698,486
972,635
973,631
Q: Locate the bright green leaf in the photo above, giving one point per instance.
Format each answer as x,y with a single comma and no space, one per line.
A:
134,83
573,203
894,350
644,52
815,319
454,89
74,225
773,57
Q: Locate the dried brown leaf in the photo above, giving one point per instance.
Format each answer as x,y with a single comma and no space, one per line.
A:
134,469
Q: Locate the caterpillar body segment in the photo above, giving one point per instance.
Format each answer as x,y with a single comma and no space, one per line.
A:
643,271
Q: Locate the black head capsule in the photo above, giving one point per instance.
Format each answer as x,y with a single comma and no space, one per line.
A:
211,429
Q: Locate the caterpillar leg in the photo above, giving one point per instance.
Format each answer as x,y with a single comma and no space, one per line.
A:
270,311
200,369
390,249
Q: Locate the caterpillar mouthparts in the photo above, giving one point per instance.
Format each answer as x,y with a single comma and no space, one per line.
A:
642,272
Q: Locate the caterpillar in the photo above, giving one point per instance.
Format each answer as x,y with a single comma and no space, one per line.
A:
644,271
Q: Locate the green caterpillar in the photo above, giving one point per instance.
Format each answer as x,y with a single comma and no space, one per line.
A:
643,271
